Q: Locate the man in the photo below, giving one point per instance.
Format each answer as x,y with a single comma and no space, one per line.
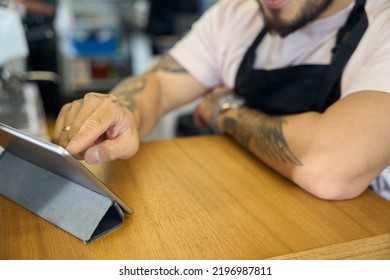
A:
301,84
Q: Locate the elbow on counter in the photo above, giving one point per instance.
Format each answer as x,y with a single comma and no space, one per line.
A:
332,185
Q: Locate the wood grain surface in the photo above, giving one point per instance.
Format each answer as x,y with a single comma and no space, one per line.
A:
206,198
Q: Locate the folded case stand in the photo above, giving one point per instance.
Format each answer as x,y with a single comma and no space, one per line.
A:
80,211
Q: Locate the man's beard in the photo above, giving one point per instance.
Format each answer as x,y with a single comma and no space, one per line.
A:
308,14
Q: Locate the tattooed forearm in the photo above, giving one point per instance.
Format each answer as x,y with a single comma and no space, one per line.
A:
168,64
265,131
242,136
127,90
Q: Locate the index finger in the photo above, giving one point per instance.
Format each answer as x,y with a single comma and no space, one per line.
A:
92,129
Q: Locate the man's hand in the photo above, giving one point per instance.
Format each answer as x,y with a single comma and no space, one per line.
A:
97,129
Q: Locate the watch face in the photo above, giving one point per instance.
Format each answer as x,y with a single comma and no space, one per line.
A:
231,102
226,102
225,106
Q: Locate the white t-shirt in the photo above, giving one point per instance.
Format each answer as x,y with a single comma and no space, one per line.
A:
213,50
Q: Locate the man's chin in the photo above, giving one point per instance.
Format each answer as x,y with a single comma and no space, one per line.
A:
281,30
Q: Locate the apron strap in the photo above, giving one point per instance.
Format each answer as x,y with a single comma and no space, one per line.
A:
250,55
348,39
247,63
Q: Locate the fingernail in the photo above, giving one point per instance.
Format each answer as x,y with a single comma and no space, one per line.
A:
92,156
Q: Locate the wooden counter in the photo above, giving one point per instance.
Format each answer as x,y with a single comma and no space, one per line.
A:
206,198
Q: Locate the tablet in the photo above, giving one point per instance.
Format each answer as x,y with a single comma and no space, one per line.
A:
55,159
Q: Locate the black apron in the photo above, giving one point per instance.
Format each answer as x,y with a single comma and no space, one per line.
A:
301,88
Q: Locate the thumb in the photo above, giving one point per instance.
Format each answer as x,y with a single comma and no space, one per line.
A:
124,146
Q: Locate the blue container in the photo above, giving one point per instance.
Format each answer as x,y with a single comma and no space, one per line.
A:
101,42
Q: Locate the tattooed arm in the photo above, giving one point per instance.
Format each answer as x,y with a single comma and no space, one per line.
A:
104,127
333,155
265,131
161,89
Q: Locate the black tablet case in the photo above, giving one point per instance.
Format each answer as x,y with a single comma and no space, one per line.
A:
80,210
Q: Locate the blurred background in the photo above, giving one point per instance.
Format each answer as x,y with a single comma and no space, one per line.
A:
55,51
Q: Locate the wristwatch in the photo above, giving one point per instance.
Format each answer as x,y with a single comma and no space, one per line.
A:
225,103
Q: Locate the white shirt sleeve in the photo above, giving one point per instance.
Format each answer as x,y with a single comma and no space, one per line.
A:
370,65
197,52
214,48
381,185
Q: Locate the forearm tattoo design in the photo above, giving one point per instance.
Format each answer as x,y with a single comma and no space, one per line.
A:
266,132
129,88
168,64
